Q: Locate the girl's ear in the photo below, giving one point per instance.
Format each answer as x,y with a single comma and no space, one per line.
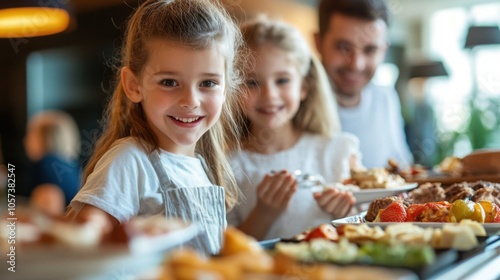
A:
130,85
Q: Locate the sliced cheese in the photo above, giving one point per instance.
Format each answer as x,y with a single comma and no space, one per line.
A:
476,227
457,237
436,238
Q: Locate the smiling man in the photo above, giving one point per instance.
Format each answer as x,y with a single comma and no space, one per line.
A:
352,41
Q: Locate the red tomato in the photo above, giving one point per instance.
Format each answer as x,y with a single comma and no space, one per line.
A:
326,231
413,211
438,204
395,212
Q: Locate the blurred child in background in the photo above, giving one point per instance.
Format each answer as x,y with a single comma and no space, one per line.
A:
52,144
292,125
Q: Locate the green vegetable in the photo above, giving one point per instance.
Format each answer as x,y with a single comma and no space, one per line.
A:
396,255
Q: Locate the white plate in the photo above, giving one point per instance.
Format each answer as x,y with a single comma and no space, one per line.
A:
369,195
490,228
119,261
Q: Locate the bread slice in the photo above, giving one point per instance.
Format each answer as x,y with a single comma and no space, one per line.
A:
483,161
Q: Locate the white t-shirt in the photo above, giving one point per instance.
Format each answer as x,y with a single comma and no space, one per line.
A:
312,154
125,184
378,123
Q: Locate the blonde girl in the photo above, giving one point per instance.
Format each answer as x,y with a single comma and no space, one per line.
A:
292,125
169,121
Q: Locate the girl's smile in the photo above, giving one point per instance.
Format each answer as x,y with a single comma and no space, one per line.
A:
188,121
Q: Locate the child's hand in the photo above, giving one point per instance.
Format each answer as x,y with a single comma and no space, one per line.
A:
336,202
275,191
95,216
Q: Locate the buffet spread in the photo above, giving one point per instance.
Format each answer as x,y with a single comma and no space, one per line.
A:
425,232
411,230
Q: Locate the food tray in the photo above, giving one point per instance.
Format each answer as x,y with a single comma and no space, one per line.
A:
490,228
443,259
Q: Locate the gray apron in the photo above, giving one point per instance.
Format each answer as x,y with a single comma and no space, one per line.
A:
203,205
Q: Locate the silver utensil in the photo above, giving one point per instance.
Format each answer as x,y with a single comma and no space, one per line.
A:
314,182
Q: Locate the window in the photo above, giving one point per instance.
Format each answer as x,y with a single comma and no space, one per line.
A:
466,104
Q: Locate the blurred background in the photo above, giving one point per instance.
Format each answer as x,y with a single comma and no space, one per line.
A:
449,89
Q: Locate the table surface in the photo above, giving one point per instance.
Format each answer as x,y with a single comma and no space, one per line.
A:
449,180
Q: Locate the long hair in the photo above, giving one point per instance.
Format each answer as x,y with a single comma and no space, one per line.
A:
198,24
318,111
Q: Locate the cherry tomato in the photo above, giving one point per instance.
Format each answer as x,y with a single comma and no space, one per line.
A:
326,231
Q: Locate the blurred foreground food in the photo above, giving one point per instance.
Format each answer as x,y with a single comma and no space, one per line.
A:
38,229
242,257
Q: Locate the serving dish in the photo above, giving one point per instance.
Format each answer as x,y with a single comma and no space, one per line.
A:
446,179
368,195
444,258
316,183
490,228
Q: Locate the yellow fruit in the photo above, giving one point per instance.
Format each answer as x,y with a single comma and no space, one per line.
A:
461,209
479,214
489,210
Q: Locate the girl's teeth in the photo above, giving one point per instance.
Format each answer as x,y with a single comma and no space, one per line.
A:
186,120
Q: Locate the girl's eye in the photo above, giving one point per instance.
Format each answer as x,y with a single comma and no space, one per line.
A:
282,81
169,83
208,83
252,83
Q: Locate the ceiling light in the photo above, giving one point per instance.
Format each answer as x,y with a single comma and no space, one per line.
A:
30,18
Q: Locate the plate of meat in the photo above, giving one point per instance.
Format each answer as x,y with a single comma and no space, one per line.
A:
432,206
365,185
